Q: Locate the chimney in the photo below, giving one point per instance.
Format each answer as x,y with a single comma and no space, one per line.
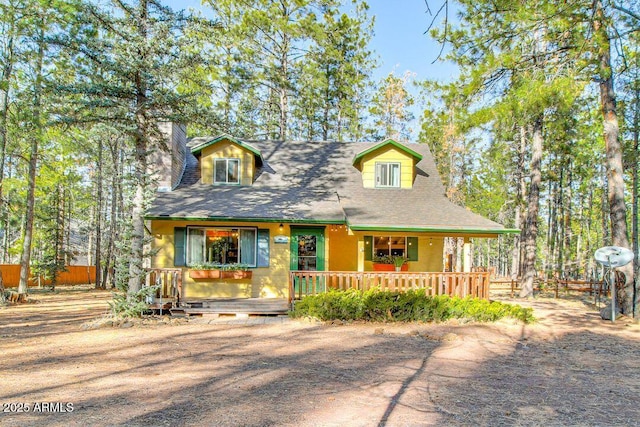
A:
168,166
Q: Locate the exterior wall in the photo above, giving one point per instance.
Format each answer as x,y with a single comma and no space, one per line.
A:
267,282
429,252
227,149
342,249
388,154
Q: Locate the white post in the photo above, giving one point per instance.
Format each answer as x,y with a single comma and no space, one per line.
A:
466,256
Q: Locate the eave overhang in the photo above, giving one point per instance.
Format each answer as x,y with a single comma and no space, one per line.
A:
198,148
358,157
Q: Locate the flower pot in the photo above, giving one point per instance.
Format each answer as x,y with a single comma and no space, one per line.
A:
205,274
383,267
220,274
237,274
390,267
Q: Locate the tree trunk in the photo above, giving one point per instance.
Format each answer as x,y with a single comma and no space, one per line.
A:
459,250
567,221
284,77
559,266
634,213
137,235
25,258
98,217
116,191
604,208
531,230
4,89
615,173
140,167
520,192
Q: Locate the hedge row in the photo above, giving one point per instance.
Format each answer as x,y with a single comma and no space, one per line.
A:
411,306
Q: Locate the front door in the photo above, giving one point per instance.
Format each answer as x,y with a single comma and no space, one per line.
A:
307,254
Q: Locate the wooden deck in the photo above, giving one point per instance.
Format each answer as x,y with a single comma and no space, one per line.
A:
475,284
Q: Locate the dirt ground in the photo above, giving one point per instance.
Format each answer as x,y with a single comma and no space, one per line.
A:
569,369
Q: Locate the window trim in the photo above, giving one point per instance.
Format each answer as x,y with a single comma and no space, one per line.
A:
378,178
226,160
229,228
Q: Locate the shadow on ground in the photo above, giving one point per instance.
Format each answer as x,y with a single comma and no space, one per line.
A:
569,369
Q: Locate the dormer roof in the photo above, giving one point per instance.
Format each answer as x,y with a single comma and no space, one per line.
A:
357,159
196,145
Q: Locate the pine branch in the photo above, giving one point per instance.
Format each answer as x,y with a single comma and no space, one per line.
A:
626,11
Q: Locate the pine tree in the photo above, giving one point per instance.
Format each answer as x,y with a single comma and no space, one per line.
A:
132,56
390,108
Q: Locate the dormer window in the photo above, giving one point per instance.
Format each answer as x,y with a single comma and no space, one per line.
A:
388,174
226,171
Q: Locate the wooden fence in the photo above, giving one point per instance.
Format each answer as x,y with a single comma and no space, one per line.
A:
474,284
592,286
75,275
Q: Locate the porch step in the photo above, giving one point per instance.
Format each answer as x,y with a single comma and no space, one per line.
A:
236,306
177,311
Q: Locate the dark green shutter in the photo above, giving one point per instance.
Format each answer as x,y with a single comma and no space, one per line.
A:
179,245
368,248
263,247
412,248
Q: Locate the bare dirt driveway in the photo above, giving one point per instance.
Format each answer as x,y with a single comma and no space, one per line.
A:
569,369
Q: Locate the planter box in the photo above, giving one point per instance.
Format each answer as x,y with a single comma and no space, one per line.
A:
389,267
237,274
220,274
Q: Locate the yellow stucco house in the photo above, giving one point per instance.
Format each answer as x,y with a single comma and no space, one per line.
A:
281,206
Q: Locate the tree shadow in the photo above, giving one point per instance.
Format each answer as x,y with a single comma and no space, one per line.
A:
570,369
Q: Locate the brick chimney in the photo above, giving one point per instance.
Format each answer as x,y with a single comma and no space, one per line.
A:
167,167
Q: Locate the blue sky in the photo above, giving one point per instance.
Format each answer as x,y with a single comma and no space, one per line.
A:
401,42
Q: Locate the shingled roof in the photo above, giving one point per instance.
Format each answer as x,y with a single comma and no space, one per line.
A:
316,182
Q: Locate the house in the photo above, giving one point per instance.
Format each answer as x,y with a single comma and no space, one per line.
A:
282,206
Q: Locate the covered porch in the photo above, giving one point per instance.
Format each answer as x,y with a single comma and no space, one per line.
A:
169,294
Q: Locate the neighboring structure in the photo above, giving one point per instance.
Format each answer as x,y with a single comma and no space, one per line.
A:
279,206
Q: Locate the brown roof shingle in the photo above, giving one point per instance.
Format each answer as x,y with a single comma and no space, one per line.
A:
316,182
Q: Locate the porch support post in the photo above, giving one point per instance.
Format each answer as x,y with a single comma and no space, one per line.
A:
466,256
361,253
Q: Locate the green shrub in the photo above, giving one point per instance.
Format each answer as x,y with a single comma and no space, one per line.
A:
411,306
126,306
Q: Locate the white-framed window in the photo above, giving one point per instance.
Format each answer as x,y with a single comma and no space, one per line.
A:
222,245
226,171
388,174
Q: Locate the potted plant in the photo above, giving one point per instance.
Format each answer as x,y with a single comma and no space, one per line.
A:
400,263
382,263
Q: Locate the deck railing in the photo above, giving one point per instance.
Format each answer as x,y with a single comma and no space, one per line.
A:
169,280
476,284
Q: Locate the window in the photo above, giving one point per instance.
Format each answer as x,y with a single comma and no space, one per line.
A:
222,245
391,246
388,175
378,246
226,171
